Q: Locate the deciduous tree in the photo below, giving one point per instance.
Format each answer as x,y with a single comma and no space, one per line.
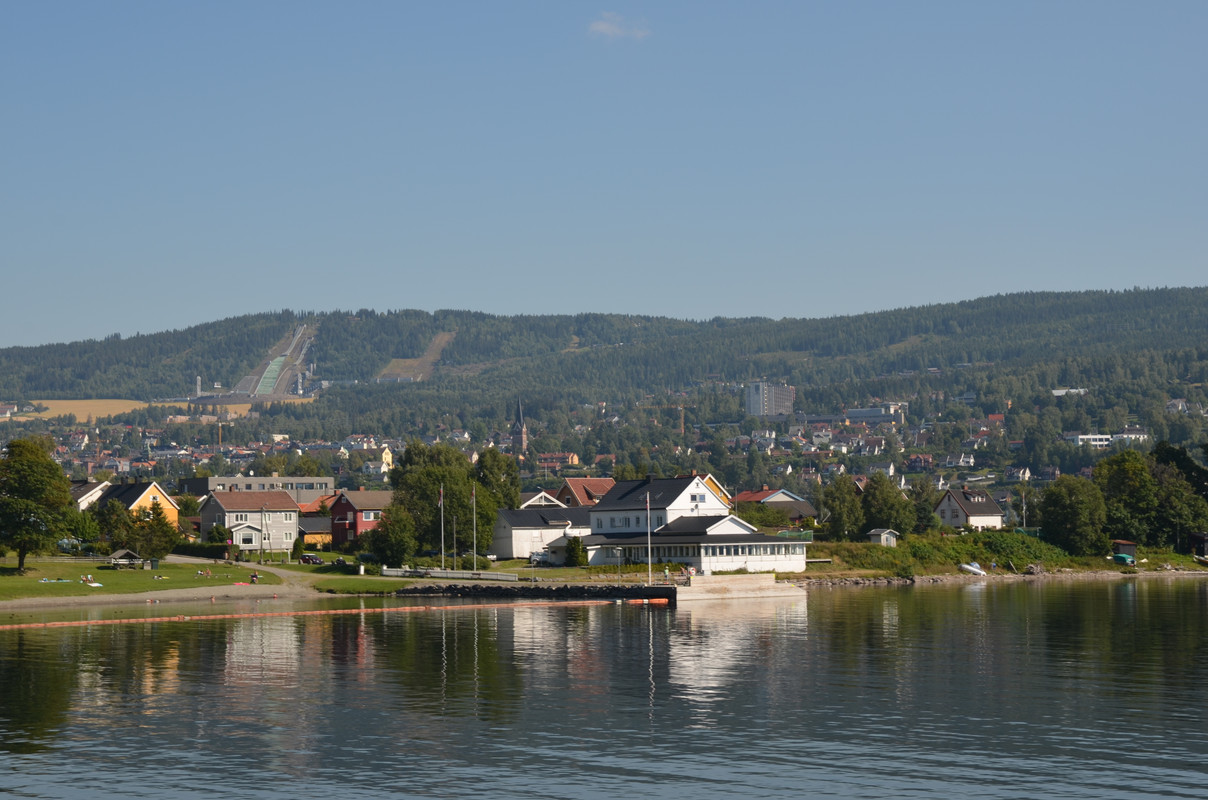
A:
1074,515
34,498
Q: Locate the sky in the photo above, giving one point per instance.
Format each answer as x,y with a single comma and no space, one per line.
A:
168,164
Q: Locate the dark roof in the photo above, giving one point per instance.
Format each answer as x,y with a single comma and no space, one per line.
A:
80,489
974,502
797,508
314,524
366,499
545,517
688,524
631,495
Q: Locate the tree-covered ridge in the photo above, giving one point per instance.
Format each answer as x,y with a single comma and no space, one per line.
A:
144,366
1041,340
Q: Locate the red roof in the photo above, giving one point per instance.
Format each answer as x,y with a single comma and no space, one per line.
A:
757,496
313,506
588,491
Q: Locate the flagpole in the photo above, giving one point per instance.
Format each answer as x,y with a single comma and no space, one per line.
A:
649,550
442,526
474,505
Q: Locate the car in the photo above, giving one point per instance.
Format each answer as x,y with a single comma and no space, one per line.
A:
309,558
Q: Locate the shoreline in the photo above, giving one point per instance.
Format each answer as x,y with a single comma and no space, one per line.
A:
304,590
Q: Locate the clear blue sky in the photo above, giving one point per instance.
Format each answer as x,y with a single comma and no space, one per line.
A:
164,164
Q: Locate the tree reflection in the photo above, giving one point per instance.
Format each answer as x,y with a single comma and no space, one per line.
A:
450,662
38,681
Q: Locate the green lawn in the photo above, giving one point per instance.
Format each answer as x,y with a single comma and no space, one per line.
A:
356,584
62,578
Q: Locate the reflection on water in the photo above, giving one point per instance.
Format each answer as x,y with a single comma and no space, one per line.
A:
1018,690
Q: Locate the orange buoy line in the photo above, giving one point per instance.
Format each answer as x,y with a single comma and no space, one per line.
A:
321,612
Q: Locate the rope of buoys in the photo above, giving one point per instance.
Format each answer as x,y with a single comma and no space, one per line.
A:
320,613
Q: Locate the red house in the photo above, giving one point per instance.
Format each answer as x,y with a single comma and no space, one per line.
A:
354,513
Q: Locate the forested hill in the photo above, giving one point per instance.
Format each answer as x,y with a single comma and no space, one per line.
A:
1044,338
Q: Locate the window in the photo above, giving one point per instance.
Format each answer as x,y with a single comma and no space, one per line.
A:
369,516
599,523
239,517
288,516
247,538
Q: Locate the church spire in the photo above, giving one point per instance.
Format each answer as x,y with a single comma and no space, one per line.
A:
519,433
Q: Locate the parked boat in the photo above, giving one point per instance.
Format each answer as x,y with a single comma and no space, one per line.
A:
1200,560
1125,559
973,568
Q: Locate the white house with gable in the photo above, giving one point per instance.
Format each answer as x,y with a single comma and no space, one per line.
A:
686,522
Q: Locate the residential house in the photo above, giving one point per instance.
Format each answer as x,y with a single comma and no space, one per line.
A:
1018,474
138,497
581,492
969,507
1049,473
557,461
523,532
260,522
314,521
356,513
799,509
541,499
959,460
85,493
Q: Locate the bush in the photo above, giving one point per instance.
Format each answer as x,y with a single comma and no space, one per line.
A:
218,552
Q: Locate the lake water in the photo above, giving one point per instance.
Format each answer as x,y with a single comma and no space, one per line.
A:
1074,689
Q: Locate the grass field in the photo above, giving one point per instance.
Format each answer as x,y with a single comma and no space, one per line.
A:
63,578
418,369
355,584
83,409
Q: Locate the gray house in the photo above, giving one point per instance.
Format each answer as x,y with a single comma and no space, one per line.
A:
259,522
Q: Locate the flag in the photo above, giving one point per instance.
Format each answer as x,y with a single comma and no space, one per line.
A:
441,502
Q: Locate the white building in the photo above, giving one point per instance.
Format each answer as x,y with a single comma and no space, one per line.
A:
686,523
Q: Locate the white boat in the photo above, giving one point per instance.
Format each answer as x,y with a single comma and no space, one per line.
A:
973,568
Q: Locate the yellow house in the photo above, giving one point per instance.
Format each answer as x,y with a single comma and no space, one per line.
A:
138,497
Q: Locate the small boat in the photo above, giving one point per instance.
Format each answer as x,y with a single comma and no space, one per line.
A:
1125,559
973,568
1200,560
